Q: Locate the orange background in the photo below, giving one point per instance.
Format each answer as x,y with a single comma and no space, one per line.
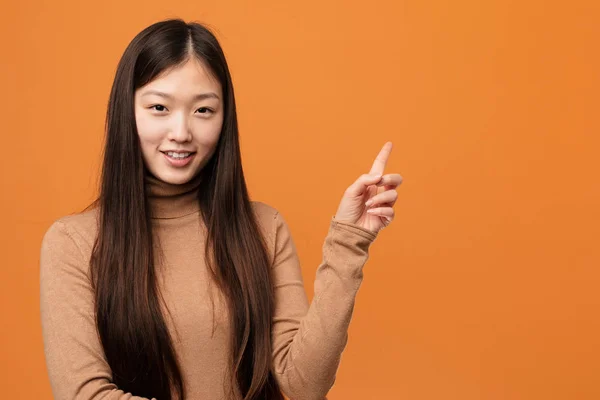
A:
486,284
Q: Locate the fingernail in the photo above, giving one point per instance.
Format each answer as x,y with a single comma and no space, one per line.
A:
368,203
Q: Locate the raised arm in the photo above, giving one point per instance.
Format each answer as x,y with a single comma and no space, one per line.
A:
308,340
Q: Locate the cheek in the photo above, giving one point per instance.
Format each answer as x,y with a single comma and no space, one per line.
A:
207,133
150,133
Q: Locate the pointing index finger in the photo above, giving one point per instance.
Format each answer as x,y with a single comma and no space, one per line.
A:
379,163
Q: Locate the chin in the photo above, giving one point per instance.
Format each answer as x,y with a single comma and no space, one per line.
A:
177,177
174,180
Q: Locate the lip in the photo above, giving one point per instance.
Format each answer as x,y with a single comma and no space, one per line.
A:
177,151
179,163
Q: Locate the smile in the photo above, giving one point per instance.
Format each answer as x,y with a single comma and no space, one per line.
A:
178,160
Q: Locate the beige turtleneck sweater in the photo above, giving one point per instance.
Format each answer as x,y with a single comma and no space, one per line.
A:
307,339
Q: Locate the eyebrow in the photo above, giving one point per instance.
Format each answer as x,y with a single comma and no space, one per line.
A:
199,96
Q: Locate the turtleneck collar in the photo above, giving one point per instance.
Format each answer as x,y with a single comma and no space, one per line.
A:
169,200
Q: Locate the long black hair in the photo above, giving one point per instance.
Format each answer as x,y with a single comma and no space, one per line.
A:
131,327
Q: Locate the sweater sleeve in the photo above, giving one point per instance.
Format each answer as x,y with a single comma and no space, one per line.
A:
74,356
308,340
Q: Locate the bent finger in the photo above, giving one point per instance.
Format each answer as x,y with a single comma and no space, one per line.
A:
362,183
389,196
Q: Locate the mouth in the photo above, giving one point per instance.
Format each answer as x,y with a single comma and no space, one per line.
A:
178,159
178,155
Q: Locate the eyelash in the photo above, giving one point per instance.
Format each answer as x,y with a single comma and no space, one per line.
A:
160,105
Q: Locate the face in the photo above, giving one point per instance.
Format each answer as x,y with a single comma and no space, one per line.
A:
179,116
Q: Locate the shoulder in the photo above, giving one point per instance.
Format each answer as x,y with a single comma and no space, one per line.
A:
267,217
270,221
74,231
264,211
273,225
64,259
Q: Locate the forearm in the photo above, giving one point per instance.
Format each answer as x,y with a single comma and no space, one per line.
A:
307,364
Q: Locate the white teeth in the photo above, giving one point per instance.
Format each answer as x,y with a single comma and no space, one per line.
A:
178,155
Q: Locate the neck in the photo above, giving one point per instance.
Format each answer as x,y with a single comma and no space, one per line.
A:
168,200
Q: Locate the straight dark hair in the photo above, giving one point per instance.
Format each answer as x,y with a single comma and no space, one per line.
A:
135,338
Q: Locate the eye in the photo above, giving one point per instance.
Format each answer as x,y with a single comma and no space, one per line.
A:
204,110
158,107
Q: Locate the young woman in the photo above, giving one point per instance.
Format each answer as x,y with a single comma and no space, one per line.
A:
174,284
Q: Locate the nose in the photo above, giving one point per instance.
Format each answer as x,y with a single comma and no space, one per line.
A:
180,131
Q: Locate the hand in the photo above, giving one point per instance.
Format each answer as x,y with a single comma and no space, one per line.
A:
379,193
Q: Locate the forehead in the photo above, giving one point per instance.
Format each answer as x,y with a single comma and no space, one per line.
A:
189,78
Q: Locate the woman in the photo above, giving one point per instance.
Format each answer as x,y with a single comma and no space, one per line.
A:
174,284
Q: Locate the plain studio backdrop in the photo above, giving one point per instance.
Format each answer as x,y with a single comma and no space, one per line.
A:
486,284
